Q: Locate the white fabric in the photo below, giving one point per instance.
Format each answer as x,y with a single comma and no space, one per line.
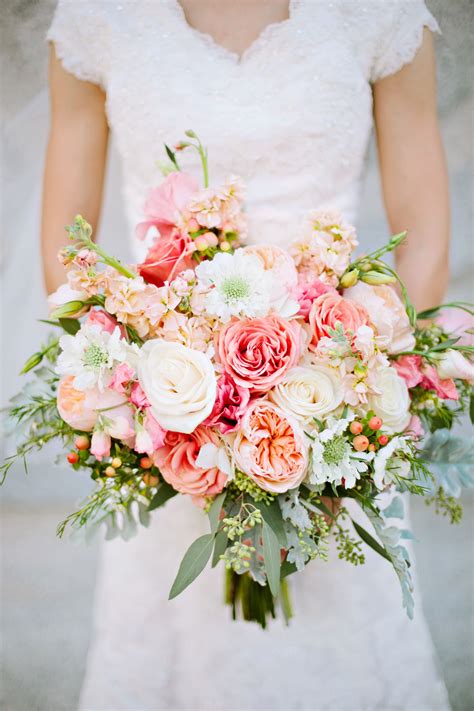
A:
292,116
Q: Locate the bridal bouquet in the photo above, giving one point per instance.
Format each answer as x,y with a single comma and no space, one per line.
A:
269,385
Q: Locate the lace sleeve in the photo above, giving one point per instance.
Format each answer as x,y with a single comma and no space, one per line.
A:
77,32
400,41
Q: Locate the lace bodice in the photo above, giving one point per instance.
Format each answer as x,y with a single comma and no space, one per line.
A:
292,116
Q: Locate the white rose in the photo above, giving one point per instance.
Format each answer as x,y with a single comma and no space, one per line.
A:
387,313
309,391
452,364
179,382
392,402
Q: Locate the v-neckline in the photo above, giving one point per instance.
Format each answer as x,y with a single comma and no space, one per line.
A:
238,59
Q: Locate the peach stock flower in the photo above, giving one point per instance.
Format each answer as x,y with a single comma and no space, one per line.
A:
270,448
176,460
258,352
331,309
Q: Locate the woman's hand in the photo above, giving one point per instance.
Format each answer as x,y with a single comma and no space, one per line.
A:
414,177
75,162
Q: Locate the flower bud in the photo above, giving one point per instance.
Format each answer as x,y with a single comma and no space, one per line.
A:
225,246
31,363
67,310
350,278
110,471
360,443
377,278
201,243
116,462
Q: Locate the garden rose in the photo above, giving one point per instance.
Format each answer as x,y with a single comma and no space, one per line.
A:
330,309
104,320
387,313
270,448
230,405
392,401
179,382
176,460
309,392
258,352
453,364
79,408
409,368
169,254
307,291
165,203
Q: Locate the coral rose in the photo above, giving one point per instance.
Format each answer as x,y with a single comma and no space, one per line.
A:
258,352
169,254
330,309
79,408
176,460
270,448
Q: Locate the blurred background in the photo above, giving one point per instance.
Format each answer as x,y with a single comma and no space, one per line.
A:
47,585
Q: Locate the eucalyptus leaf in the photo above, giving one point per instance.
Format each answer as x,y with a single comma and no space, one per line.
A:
164,493
471,408
273,517
215,511
370,541
395,509
272,558
450,460
220,545
193,563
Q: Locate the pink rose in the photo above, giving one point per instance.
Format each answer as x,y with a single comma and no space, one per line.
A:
165,203
330,309
121,378
307,291
445,389
230,405
257,352
79,408
168,255
409,368
98,317
270,448
176,460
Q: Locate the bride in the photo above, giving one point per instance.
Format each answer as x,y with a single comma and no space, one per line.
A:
285,94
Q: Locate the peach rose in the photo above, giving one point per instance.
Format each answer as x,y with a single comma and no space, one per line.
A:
258,352
176,460
270,448
79,408
330,309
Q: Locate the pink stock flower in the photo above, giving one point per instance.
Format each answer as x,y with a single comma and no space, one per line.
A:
415,427
85,259
98,317
331,309
270,448
445,389
176,460
230,405
138,397
165,203
124,373
100,444
409,368
257,352
169,254
307,291
79,408
150,435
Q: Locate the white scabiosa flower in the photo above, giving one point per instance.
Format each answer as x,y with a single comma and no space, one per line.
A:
237,286
91,356
333,459
389,465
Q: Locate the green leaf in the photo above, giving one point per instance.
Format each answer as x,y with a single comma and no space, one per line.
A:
164,493
370,540
273,517
193,563
219,547
272,558
215,511
287,569
471,408
70,325
445,344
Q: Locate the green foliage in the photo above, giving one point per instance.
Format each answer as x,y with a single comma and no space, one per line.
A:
193,563
445,505
244,484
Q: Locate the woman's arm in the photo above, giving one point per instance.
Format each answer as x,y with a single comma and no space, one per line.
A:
414,177
75,162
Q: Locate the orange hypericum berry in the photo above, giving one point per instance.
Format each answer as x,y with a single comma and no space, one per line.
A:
150,479
146,463
356,427
375,423
73,457
383,440
110,471
371,447
360,443
82,442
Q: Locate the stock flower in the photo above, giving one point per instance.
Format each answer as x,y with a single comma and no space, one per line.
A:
179,383
150,436
333,459
237,285
309,392
409,368
270,448
387,314
165,203
257,353
122,376
79,408
230,405
329,310
177,462
114,423
91,356
391,400
445,388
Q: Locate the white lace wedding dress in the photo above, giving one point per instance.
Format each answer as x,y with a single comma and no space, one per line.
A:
292,116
